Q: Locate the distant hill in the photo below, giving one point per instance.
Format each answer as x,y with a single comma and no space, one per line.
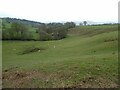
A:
93,23
8,20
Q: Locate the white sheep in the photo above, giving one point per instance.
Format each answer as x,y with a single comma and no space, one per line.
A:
54,46
14,49
38,50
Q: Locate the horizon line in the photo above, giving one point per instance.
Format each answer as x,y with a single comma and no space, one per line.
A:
75,21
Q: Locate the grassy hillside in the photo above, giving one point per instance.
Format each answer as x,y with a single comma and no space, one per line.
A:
93,30
86,58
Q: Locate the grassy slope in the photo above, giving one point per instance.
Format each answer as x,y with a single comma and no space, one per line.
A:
81,60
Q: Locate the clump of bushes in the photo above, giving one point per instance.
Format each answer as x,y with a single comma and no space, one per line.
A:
17,31
31,49
54,31
109,40
50,31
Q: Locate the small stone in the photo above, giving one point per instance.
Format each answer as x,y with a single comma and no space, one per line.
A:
80,84
47,81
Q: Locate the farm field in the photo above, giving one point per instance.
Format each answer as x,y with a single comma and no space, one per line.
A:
87,58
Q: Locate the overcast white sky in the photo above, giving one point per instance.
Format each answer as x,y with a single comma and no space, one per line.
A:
61,10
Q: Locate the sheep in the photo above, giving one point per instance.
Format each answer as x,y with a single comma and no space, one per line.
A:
54,46
38,50
14,49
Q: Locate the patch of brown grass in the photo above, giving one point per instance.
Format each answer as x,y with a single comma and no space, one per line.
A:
91,82
21,79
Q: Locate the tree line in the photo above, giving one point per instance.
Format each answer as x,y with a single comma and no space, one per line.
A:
50,31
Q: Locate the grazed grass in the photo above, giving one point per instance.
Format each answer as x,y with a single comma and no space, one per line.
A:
76,61
93,30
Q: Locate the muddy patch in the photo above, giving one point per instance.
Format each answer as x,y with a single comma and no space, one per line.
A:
17,75
13,79
91,82
58,79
